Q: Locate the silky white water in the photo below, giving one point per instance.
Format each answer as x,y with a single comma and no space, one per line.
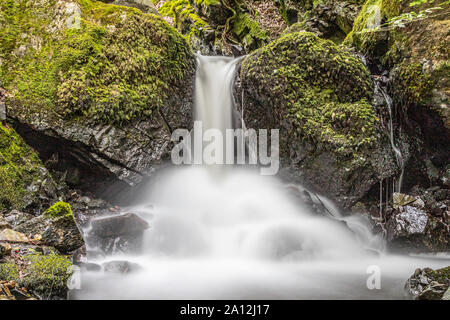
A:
234,234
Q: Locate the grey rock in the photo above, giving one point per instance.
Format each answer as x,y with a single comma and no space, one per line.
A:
120,267
61,233
123,224
429,284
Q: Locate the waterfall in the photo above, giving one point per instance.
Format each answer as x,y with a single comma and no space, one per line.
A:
238,235
397,152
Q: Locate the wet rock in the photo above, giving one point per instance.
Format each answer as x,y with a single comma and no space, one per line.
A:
128,223
408,221
15,217
428,284
117,234
120,267
56,227
10,235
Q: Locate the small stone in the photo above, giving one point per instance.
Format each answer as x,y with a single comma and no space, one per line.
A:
120,266
12,236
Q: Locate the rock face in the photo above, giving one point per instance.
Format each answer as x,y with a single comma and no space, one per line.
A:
415,226
319,97
117,86
429,284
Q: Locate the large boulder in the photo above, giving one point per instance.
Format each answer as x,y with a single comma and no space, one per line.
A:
111,85
56,227
117,234
319,96
416,225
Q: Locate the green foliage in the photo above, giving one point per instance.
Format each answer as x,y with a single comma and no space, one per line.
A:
47,275
59,209
118,66
8,271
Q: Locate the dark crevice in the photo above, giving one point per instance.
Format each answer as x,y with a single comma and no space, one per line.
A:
70,162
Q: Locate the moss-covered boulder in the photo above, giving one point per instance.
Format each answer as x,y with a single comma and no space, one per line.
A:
56,227
319,96
105,84
410,39
24,182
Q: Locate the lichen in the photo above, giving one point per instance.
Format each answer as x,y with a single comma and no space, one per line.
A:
119,64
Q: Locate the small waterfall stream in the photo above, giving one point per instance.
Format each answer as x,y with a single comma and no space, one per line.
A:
239,235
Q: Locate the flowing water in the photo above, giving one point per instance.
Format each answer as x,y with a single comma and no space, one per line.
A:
234,234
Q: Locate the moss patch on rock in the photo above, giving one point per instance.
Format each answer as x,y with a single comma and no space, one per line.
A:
21,171
59,209
88,60
8,271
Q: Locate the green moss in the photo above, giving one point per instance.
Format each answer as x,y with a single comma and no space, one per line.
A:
8,271
325,90
118,66
59,209
413,85
248,31
47,275
184,16
19,168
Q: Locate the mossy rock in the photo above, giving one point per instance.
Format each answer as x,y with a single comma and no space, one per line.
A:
59,209
319,96
57,228
8,271
88,60
89,76
22,175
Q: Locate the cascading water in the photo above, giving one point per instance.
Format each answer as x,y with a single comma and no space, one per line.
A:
240,235
397,152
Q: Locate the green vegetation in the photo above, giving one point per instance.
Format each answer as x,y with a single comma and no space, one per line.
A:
59,209
118,66
8,271
19,168
47,275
